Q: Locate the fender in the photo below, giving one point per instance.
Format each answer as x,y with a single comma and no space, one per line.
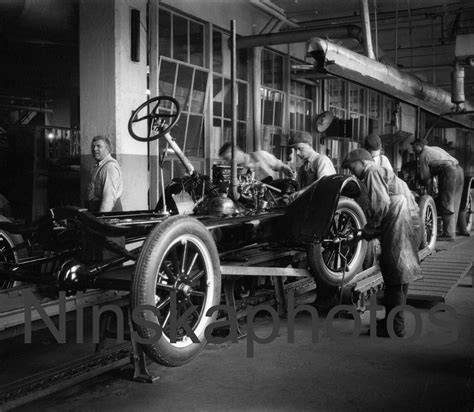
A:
309,217
468,185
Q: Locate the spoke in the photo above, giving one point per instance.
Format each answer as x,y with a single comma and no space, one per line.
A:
166,319
185,251
197,293
192,264
164,303
331,255
174,259
196,276
168,271
164,287
142,118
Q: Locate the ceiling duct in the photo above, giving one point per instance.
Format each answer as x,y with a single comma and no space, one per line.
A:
346,64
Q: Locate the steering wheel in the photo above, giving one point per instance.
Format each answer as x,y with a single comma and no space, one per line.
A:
158,123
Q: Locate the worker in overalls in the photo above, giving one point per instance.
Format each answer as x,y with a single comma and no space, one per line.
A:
315,165
434,161
373,144
105,184
391,212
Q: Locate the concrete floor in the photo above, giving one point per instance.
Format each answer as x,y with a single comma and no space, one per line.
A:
435,372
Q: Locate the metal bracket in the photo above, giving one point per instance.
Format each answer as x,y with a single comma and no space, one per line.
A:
138,358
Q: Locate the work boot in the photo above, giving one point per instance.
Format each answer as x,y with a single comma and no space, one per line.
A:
447,238
394,295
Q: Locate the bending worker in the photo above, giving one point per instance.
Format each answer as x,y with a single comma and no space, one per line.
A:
105,185
373,145
260,162
315,165
391,212
436,161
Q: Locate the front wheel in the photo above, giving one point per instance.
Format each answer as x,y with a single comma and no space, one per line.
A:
429,222
327,259
179,258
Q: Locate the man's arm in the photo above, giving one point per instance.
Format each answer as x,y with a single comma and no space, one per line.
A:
425,174
111,187
276,164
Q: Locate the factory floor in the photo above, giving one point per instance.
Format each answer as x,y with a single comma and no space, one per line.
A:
433,372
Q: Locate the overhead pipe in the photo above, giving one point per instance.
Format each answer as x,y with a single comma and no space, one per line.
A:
343,63
298,36
364,14
271,9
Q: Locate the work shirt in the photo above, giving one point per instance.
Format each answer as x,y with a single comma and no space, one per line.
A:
315,167
105,186
432,159
264,164
381,160
392,210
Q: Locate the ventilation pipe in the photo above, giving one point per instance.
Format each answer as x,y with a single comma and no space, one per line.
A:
364,14
457,84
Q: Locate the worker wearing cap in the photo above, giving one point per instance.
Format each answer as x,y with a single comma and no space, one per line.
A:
391,211
315,165
373,145
436,161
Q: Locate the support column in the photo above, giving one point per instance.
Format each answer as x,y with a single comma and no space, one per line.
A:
256,97
111,86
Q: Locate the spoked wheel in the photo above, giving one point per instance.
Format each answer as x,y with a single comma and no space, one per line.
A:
157,116
429,222
328,258
465,217
179,260
8,254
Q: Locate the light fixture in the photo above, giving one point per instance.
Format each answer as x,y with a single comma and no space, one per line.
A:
50,135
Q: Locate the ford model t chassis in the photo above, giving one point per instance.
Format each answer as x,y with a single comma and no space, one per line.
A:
173,260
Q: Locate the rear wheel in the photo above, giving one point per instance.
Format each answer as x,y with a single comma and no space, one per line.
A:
179,258
465,217
8,254
326,259
429,222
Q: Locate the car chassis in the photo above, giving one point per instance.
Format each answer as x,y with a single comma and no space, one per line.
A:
161,254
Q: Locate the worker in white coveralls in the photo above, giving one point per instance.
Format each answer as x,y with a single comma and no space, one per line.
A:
436,161
105,184
392,213
260,162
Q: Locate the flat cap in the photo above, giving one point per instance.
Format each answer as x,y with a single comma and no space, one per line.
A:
423,142
373,142
300,137
357,154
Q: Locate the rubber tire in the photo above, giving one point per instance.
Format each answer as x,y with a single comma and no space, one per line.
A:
465,218
318,267
424,204
144,283
13,240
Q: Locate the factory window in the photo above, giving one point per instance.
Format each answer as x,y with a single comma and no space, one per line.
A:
357,111
188,84
221,101
337,103
272,103
301,106
374,114
181,38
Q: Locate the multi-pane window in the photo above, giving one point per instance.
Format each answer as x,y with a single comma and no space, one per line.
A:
222,100
188,85
301,106
357,111
181,38
272,103
374,113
